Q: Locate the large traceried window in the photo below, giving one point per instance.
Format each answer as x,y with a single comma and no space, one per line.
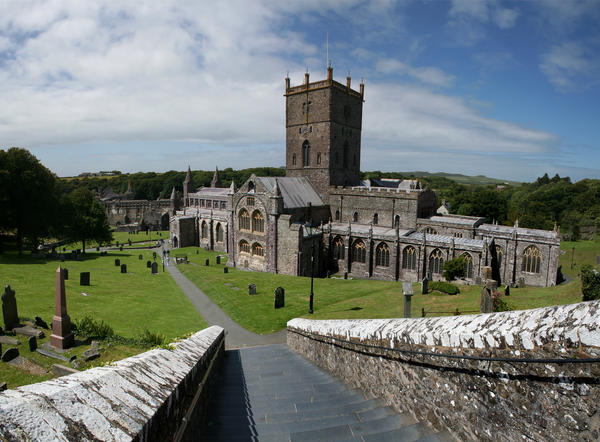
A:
532,260
409,258
499,255
257,250
204,229
468,267
244,219
306,153
382,255
359,252
436,262
219,232
338,248
258,222
244,247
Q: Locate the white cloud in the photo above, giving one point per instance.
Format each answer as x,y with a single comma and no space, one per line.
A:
428,75
505,18
570,65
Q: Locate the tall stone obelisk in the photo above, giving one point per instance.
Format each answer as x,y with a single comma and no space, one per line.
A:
61,336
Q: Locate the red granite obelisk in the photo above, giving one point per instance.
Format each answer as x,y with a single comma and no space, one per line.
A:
61,336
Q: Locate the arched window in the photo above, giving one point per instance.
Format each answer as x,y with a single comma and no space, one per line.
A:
337,215
468,267
204,229
532,260
258,222
430,231
409,258
436,262
219,232
306,153
318,158
382,255
375,219
338,248
397,222
355,217
244,247
257,250
359,251
499,255
294,160
244,220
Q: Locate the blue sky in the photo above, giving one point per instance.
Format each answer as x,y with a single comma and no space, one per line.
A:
505,89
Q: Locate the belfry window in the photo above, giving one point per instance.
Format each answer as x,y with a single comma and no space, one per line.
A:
306,154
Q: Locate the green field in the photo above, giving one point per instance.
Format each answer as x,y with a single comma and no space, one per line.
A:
140,239
338,298
129,302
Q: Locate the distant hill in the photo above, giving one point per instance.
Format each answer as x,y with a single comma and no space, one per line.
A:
462,179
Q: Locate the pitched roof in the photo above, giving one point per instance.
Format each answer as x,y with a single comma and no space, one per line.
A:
295,191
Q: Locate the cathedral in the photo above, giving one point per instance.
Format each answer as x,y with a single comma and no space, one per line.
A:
322,218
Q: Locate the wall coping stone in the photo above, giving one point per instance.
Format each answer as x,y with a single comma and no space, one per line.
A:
114,402
569,326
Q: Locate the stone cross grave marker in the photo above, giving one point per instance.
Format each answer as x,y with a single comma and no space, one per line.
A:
123,268
84,278
252,289
9,309
154,268
279,297
424,286
61,336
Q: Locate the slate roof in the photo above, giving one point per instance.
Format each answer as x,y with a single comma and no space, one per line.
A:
490,229
212,192
296,191
463,220
446,239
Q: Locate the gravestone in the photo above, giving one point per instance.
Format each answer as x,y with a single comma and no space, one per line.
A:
252,289
66,272
32,341
39,322
10,354
407,290
486,272
197,251
97,249
90,353
478,280
84,278
218,259
507,290
123,268
207,262
149,264
345,275
225,269
154,255
61,336
121,248
9,309
117,243
117,262
279,300
486,304
140,257
424,286
154,268
521,283
129,242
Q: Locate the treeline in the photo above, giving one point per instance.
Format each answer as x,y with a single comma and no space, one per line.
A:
575,207
35,205
151,185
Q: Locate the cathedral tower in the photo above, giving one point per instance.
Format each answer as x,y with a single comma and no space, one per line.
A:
323,130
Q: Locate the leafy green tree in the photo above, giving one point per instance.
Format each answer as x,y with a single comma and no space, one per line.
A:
590,283
88,219
29,201
454,268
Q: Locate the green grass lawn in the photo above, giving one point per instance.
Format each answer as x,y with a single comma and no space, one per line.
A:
352,299
129,302
578,253
122,238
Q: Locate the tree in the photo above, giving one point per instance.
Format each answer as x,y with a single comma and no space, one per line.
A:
87,220
454,268
590,283
29,202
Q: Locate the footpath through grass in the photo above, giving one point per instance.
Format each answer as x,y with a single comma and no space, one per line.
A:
129,303
338,298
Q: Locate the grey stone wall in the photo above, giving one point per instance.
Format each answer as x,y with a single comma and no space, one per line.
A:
421,366
144,397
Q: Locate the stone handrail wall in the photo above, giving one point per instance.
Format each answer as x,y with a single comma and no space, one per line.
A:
473,375
150,396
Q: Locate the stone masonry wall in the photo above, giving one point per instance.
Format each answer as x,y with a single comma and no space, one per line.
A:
144,397
442,370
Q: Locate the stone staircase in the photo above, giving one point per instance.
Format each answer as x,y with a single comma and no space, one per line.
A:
271,393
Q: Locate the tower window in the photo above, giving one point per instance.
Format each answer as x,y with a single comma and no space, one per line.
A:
306,154
299,130
310,129
318,158
355,217
294,160
375,219
337,215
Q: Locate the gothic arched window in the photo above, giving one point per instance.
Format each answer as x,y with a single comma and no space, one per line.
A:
257,250
244,219
258,222
397,222
219,232
204,229
409,258
293,159
499,255
338,248
244,247
306,153
382,255
468,267
359,251
532,260
355,217
436,262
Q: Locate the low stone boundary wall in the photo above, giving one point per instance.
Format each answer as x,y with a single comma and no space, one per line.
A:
521,375
146,397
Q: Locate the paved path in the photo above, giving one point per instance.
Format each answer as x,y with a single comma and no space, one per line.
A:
236,336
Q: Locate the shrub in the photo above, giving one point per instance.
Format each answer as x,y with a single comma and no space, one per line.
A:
151,339
454,268
590,283
444,287
91,328
498,304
